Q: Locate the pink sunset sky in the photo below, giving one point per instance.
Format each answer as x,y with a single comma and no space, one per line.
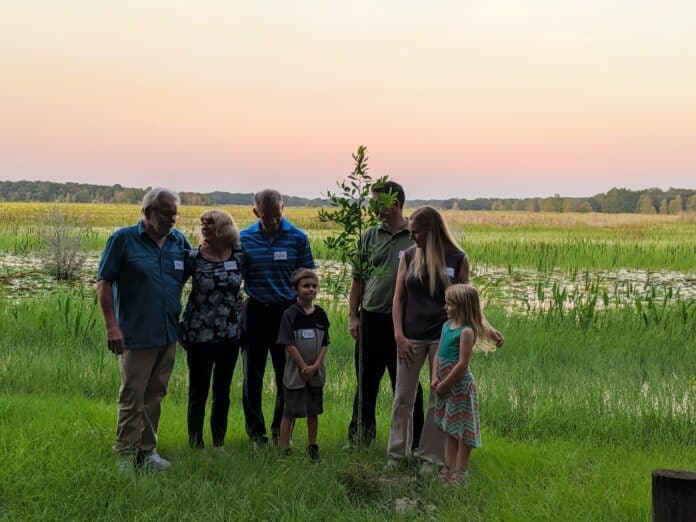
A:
452,98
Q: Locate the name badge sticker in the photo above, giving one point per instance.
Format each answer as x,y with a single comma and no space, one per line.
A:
230,265
450,271
178,265
307,333
280,255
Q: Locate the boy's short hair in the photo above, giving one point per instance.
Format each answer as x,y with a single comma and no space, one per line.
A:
391,187
300,274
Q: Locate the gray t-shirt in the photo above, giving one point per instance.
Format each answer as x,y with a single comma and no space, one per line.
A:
308,333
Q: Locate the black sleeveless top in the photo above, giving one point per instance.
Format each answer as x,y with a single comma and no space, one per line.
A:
424,314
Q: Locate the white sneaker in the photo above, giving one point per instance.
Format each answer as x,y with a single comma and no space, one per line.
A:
156,462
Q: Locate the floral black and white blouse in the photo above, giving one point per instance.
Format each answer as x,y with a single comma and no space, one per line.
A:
210,315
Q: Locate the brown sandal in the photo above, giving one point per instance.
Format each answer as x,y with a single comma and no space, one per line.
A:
459,478
444,474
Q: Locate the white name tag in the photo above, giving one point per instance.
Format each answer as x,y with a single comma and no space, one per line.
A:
450,271
178,265
401,254
307,333
280,255
230,265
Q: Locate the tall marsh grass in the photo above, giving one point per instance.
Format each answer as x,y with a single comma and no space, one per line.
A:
544,241
561,373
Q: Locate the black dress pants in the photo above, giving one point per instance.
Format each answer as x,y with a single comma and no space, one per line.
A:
204,360
379,354
262,324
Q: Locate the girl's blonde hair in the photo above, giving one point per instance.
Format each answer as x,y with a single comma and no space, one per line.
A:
465,306
226,229
438,241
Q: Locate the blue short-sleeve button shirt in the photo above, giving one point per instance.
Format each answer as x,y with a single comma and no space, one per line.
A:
146,282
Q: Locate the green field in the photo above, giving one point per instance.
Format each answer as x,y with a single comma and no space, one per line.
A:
579,406
543,241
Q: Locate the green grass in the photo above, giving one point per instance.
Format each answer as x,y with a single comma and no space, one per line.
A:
657,246
576,413
666,246
513,247
57,466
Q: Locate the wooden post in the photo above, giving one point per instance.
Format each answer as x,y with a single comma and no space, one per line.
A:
673,496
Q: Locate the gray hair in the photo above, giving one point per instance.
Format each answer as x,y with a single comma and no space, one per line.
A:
267,197
152,196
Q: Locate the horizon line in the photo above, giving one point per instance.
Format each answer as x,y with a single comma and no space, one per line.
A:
324,197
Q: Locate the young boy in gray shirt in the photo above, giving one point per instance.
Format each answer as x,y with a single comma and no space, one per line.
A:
304,330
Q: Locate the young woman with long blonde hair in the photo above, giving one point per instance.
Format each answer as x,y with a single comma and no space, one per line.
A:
425,271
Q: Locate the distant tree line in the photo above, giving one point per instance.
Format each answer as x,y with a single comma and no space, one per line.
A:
616,200
85,193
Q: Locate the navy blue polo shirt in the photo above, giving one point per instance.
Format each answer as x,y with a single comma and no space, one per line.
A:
146,282
271,262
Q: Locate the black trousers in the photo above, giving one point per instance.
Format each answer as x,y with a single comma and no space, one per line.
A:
204,360
262,323
379,354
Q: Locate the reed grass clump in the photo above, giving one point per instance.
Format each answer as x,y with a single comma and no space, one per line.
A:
63,243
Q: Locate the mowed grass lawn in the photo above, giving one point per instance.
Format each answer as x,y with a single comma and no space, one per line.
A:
575,418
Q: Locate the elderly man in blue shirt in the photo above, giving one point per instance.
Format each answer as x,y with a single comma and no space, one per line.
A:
275,248
139,283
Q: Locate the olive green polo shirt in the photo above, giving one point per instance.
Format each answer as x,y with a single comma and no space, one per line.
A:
384,250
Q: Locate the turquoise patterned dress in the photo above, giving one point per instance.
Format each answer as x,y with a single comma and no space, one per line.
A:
457,414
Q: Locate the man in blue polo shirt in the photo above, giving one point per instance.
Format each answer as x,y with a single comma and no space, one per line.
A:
275,248
141,274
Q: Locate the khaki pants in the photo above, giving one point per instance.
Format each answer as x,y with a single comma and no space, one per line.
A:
144,377
432,442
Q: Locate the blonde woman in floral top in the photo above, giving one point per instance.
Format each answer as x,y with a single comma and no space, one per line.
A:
209,330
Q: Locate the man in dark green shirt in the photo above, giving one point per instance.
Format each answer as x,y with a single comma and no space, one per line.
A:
384,244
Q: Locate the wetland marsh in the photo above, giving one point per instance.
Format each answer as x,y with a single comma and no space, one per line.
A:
593,389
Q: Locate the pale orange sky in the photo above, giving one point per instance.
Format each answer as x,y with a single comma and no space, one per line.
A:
465,99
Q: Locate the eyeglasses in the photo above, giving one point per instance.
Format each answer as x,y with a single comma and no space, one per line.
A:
170,214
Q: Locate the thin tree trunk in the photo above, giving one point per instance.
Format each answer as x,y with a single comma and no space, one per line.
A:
360,373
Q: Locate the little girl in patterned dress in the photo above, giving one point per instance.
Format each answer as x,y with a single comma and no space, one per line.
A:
456,403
